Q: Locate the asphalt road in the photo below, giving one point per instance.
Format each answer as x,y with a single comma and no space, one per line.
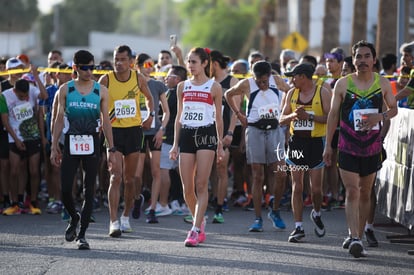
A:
36,245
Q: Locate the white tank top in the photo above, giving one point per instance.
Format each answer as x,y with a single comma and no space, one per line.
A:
198,104
263,104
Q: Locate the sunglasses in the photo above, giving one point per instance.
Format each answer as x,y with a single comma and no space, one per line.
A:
86,67
148,65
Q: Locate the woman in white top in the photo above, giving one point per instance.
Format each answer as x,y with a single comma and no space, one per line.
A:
198,132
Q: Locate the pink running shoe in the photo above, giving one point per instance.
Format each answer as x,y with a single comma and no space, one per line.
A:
192,239
202,234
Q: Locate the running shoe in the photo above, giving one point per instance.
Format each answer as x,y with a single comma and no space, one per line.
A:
33,210
163,211
114,229
218,218
202,233
319,226
356,249
257,226
82,244
5,206
65,215
296,235
125,226
157,209
54,208
192,239
12,210
188,219
70,232
307,202
371,240
274,217
136,211
347,242
176,208
249,205
151,217
225,205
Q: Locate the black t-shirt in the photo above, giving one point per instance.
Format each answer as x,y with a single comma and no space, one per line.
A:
172,105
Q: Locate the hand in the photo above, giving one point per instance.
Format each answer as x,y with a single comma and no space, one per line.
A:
158,139
146,124
301,113
220,153
242,118
369,121
20,145
56,156
227,141
327,155
110,160
174,153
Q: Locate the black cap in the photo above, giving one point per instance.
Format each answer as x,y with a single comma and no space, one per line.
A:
303,68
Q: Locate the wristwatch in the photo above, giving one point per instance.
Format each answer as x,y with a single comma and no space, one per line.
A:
311,117
112,149
152,113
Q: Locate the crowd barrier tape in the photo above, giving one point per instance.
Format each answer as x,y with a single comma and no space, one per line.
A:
155,74
394,182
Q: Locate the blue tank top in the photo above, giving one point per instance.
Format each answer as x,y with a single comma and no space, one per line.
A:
83,112
352,140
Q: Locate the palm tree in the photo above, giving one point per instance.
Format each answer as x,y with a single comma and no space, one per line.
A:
359,21
304,16
387,26
330,38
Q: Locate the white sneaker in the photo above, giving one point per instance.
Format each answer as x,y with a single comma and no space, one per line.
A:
157,208
163,211
114,229
125,226
185,210
176,208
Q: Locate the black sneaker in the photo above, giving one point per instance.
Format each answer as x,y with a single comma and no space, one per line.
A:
371,240
136,211
296,235
347,242
319,227
70,233
82,244
151,218
356,249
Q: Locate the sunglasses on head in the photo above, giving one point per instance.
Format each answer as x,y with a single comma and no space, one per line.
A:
86,67
148,65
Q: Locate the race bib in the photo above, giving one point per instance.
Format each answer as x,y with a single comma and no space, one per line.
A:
304,124
194,114
358,118
125,108
269,111
81,145
23,111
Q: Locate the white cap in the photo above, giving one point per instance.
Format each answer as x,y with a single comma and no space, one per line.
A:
13,63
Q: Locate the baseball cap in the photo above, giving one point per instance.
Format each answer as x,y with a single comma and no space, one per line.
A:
303,68
13,63
29,77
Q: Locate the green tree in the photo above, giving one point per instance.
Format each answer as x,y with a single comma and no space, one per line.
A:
222,25
78,18
18,15
148,18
